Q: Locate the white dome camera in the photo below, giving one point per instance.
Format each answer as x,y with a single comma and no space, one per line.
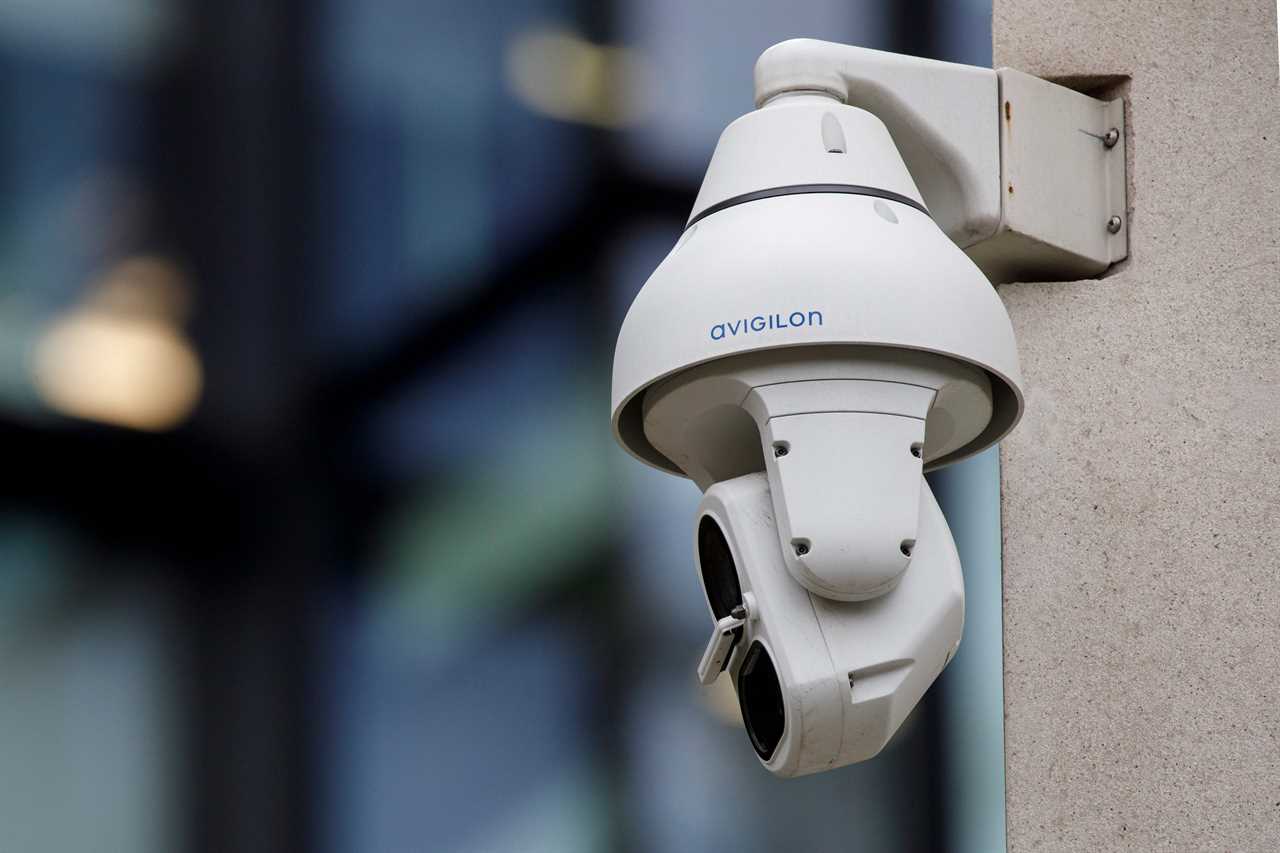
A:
818,339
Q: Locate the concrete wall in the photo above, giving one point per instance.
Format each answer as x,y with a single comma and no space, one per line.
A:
1141,494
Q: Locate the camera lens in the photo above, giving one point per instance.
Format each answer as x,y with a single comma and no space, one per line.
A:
760,696
719,574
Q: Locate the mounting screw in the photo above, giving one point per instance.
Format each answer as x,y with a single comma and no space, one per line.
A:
801,549
780,450
1114,223
1111,137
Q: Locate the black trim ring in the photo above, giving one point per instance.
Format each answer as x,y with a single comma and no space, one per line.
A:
800,189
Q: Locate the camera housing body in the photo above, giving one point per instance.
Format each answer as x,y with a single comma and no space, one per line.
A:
823,683
825,423
817,339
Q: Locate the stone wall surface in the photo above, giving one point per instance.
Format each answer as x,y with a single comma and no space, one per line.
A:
1141,493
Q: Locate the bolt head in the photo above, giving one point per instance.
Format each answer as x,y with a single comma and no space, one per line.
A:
1114,223
1111,137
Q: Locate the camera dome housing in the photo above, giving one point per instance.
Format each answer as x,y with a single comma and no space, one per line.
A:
823,315
792,245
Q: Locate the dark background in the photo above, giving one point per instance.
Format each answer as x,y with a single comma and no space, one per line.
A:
312,532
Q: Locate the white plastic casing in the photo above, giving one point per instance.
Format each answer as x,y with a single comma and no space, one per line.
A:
1024,174
942,117
812,344
843,433
788,144
812,269
849,673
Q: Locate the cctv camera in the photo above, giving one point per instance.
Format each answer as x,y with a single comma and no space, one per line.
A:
821,683
816,340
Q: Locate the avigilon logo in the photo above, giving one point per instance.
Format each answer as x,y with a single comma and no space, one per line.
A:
765,323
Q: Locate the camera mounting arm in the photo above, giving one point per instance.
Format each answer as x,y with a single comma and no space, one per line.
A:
1028,177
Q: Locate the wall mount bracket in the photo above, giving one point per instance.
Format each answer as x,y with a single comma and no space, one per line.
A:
1027,176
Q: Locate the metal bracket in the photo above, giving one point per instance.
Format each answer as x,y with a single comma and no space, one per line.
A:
1062,175
1025,175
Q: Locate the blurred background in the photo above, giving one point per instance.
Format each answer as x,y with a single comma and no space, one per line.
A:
313,535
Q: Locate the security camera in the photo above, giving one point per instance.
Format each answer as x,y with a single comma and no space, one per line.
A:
821,683
817,339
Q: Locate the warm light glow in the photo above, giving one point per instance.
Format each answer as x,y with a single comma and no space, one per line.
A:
121,357
127,372
567,77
